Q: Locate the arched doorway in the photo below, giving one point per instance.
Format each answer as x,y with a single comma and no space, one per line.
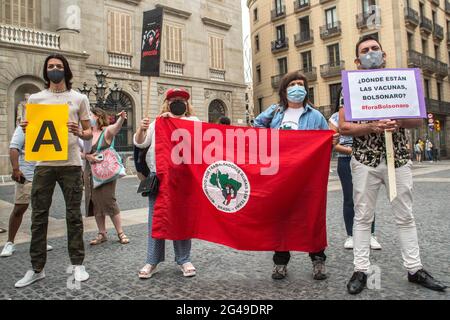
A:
216,109
124,139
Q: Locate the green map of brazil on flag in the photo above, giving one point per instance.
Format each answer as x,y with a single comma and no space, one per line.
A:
246,188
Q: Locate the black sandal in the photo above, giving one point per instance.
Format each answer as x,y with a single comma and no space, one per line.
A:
2,230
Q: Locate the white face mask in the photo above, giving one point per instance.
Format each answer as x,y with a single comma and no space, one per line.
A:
372,60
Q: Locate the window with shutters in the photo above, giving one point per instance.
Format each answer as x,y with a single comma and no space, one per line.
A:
173,43
119,32
216,53
22,13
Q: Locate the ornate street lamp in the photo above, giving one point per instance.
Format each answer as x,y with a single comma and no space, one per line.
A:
85,90
115,92
100,91
101,75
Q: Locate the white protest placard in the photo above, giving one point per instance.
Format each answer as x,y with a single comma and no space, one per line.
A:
383,94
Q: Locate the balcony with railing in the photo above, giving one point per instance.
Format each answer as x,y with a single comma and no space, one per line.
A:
438,32
332,69
330,30
301,5
368,20
304,38
280,45
173,68
275,80
414,59
447,6
325,1
218,75
436,106
29,37
436,2
310,73
412,18
428,64
278,13
426,25
119,60
441,69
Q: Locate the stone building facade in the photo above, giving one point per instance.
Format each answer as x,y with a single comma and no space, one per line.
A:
201,51
318,37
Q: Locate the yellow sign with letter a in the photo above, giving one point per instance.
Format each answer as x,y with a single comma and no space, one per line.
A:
47,134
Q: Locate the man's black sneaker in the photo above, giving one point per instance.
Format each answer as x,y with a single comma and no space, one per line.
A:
425,279
279,271
319,271
357,282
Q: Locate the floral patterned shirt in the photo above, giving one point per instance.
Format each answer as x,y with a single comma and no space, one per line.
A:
370,149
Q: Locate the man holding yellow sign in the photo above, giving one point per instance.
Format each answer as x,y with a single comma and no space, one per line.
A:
52,127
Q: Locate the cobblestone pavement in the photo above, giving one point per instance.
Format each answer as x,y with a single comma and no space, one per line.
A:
224,273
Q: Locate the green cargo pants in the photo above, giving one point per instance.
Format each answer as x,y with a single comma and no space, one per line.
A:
70,180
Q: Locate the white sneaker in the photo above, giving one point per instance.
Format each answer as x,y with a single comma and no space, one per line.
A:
49,248
80,274
8,250
349,243
374,244
30,277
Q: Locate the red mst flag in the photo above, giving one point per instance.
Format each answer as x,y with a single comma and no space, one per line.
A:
246,188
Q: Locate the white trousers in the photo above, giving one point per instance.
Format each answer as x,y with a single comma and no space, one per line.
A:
366,184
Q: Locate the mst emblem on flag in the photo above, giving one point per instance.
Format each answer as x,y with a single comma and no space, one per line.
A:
226,186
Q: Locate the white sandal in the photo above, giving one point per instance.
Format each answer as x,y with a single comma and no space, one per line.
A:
188,269
147,271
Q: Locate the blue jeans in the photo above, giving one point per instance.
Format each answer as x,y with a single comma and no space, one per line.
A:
345,176
156,247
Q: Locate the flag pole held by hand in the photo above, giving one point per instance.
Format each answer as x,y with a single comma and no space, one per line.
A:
390,165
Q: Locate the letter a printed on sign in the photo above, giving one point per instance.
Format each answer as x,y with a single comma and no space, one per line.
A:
47,134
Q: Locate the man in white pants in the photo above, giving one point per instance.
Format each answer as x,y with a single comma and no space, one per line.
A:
369,171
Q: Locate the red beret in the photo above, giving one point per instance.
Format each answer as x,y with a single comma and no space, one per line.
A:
177,92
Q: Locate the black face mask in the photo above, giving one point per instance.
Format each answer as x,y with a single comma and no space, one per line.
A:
178,108
55,76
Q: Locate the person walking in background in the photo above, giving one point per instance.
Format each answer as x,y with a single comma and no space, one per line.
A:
429,150
418,150
21,108
101,201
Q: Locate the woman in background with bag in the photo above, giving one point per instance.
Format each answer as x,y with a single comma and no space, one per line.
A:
176,105
101,200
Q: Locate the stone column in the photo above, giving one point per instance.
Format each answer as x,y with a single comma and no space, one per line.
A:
69,25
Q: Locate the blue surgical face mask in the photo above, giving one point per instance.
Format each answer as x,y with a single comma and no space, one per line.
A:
296,94
93,122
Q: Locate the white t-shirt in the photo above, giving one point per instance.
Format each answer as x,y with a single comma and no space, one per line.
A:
291,118
78,110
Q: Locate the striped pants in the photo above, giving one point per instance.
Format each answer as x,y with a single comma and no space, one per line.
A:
156,247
